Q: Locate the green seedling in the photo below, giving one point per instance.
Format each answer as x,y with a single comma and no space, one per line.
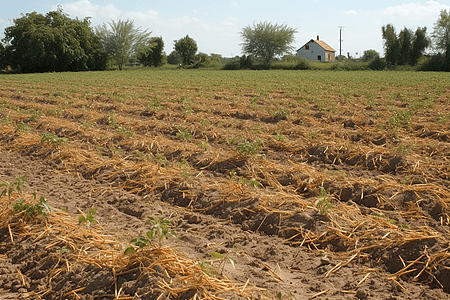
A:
64,249
40,209
223,258
89,218
126,132
52,138
392,221
159,230
249,149
112,120
204,145
23,127
323,204
278,136
15,186
183,133
87,124
159,158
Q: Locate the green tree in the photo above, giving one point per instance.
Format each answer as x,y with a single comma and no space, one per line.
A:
405,42
54,42
186,47
266,40
391,44
419,44
152,54
441,32
174,58
121,40
370,55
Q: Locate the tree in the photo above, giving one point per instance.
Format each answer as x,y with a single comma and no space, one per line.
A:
370,55
266,40
407,48
405,45
441,32
391,44
186,48
54,42
419,44
174,58
152,53
121,40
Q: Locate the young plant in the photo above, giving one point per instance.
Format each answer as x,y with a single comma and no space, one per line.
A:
23,127
223,258
40,209
16,186
52,138
249,149
89,218
278,136
323,204
183,133
159,230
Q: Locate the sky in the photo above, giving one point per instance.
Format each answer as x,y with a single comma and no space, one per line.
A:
215,25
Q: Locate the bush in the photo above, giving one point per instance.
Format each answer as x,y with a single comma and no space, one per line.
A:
378,64
232,65
434,63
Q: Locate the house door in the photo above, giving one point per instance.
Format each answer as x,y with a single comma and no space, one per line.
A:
319,57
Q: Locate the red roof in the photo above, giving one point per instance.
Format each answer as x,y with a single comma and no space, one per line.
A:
322,44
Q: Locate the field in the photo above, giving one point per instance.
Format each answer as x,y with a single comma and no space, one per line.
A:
277,184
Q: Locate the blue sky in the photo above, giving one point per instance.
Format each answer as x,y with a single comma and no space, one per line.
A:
215,25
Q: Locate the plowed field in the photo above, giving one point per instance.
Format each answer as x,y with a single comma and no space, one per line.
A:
278,185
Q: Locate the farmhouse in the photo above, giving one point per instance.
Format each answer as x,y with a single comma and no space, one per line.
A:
317,50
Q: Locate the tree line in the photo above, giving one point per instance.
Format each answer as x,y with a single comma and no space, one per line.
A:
55,42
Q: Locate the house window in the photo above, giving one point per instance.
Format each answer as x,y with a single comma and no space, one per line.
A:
307,47
319,57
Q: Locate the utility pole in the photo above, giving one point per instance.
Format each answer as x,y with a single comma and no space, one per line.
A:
340,39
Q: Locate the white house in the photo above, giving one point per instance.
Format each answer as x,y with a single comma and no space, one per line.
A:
317,50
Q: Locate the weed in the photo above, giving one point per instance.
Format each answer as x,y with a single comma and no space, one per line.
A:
155,104
23,127
223,258
183,133
52,138
392,221
232,174
205,122
64,249
15,186
112,120
323,204
234,140
249,149
252,182
89,218
280,113
35,114
159,230
99,150
312,135
87,124
5,120
125,131
408,180
187,107
159,158
204,145
40,209
55,112
278,136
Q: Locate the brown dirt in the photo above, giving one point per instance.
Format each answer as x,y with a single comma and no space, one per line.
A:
385,236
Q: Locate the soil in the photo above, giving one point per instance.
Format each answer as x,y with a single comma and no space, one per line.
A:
304,218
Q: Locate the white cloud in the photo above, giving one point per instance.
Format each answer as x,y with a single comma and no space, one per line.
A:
350,12
211,34
235,4
415,11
